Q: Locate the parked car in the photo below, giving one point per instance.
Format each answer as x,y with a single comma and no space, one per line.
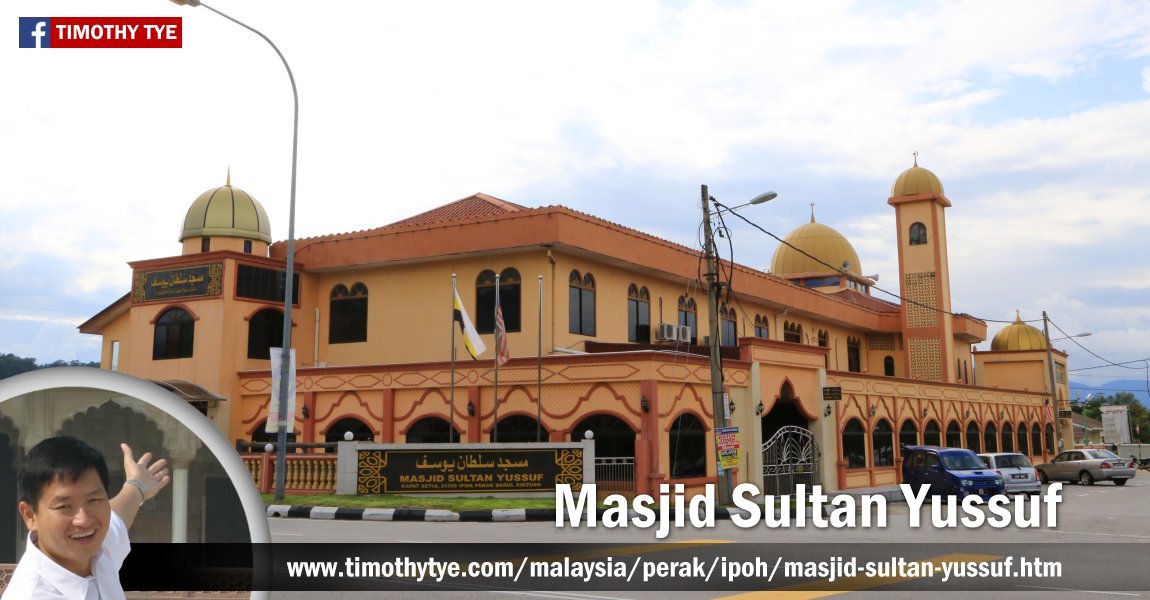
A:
1088,466
1016,470
950,471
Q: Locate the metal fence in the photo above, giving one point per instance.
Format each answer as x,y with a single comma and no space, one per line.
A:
615,473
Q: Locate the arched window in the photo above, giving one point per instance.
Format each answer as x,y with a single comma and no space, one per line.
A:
689,317
348,314
908,434
509,300
792,332
687,443
581,303
854,355
174,336
638,314
824,341
888,366
517,429
1007,438
1035,439
1050,438
762,327
854,445
973,437
953,435
265,330
932,435
882,444
432,430
917,234
728,327
1023,446
990,437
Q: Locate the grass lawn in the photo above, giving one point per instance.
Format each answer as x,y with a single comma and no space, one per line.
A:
390,501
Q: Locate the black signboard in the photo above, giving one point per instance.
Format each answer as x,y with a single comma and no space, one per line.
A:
185,282
1065,414
832,394
384,471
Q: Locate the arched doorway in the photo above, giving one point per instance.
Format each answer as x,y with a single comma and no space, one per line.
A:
790,454
432,430
784,413
360,432
8,500
516,429
614,451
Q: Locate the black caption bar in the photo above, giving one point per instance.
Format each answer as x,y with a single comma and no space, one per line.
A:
648,567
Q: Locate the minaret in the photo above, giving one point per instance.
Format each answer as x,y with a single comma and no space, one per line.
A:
927,328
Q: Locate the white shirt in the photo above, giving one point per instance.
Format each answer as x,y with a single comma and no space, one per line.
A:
38,577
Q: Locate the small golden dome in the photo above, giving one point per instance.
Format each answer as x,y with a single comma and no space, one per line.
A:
820,241
227,211
916,180
1018,336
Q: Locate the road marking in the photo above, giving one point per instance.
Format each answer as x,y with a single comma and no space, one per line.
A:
291,534
821,589
1147,537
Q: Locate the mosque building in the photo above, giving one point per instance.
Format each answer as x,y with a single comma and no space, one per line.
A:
617,316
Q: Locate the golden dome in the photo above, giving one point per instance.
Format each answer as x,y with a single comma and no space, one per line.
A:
1018,336
228,212
916,180
820,241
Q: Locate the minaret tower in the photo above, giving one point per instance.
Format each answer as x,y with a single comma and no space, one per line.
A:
927,327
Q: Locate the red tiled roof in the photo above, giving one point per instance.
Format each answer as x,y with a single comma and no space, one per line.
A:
865,301
478,205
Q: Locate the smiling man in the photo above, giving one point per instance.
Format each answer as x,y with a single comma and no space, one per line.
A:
78,535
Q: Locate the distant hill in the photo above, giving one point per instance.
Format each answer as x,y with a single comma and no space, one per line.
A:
1134,386
10,365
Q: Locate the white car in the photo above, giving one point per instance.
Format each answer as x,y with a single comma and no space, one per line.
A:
1016,470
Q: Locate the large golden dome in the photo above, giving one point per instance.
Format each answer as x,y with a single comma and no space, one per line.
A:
819,241
1018,336
227,211
916,180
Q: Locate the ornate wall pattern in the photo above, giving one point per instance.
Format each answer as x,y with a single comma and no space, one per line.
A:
922,290
924,359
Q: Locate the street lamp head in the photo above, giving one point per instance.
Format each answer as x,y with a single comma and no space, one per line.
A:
761,198
187,2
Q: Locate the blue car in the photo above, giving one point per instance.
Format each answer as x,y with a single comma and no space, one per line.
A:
950,471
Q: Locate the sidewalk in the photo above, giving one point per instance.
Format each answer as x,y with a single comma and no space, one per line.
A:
507,515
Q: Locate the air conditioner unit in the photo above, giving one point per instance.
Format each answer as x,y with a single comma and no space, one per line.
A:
667,332
685,334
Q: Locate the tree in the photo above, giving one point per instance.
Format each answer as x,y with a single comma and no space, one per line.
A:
1139,416
10,365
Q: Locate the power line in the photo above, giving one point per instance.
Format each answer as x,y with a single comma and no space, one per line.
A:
840,270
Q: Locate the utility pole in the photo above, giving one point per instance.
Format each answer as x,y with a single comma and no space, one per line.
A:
1054,404
717,403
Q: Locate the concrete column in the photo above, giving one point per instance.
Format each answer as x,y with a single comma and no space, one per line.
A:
180,503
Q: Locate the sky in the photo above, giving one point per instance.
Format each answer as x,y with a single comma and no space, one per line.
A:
1035,116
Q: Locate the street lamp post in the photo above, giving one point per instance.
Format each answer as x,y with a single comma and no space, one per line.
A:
285,358
718,406
1056,406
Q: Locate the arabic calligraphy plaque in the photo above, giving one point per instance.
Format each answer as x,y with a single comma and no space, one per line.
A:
384,471
185,282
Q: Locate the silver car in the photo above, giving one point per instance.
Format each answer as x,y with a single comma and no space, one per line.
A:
1088,466
1016,470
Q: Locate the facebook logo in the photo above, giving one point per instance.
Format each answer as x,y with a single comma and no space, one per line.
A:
35,32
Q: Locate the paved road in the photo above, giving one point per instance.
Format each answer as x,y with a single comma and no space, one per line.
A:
1100,514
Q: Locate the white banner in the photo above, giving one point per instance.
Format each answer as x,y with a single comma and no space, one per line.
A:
274,420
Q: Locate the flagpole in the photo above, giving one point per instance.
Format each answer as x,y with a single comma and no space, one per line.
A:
495,421
453,294
539,372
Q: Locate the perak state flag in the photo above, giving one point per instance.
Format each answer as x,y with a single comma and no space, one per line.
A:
502,355
471,339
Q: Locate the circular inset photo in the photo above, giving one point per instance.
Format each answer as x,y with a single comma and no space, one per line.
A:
92,459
